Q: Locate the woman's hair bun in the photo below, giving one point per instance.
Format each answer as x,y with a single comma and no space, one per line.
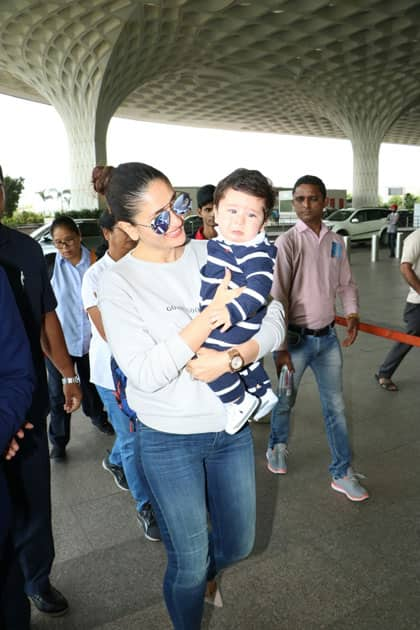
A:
101,176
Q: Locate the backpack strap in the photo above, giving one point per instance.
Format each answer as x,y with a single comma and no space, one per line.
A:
120,384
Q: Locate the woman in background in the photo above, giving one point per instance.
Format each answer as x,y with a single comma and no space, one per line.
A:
71,263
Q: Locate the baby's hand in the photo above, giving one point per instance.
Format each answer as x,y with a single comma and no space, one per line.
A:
220,317
224,295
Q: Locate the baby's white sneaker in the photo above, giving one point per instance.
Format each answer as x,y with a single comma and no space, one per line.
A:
267,402
239,413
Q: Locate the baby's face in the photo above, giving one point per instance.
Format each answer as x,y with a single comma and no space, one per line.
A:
239,216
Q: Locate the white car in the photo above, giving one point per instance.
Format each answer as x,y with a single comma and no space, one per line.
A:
359,224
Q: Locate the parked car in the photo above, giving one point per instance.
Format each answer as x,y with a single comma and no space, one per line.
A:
89,229
191,224
328,212
359,224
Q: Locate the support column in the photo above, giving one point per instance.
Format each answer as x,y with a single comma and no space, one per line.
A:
87,147
365,169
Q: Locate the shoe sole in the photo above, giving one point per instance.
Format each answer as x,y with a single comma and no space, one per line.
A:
104,466
349,496
60,613
150,537
215,599
276,471
147,536
142,527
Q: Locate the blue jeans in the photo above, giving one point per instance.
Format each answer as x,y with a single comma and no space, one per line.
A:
193,477
323,356
126,450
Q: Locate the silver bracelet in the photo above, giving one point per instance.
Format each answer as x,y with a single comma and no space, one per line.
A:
68,380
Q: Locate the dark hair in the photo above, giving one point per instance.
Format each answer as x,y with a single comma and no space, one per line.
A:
312,180
250,182
124,186
107,220
1,176
205,195
64,221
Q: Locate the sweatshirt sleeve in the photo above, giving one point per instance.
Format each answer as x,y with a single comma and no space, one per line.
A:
149,364
273,329
282,281
16,371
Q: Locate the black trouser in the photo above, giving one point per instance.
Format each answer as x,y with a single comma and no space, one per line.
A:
15,611
399,350
392,239
59,429
28,476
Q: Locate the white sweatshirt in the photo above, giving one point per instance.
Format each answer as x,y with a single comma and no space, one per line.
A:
144,305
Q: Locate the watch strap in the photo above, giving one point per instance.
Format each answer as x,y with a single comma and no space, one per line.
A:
69,380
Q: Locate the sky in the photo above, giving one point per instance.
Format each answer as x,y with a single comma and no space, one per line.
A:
34,146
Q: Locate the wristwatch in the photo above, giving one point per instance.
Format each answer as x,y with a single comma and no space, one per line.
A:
236,360
69,380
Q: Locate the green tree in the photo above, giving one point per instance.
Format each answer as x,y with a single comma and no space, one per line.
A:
409,201
13,188
396,199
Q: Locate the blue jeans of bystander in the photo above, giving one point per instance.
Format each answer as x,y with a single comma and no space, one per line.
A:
193,477
126,450
323,355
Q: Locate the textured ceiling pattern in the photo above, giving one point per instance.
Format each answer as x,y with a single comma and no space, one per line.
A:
308,67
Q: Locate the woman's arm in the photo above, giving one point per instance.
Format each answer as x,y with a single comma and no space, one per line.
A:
151,364
210,364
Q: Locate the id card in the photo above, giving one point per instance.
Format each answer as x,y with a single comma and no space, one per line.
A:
336,249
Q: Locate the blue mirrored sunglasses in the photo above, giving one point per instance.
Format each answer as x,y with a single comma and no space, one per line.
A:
161,222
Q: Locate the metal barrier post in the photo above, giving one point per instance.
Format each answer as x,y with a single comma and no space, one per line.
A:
398,245
374,248
347,245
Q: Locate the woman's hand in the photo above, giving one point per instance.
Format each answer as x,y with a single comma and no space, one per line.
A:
209,365
220,317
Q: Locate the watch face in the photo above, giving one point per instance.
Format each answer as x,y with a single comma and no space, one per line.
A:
236,362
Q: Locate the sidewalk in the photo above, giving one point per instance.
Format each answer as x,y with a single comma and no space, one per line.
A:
320,561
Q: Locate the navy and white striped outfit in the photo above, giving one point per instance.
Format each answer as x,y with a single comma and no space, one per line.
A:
251,265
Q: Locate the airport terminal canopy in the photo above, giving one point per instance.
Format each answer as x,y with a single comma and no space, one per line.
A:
343,69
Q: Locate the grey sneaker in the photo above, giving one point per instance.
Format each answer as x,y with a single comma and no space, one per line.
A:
350,486
276,459
117,472
148,523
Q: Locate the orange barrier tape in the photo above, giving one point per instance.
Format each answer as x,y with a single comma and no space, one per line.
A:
380,331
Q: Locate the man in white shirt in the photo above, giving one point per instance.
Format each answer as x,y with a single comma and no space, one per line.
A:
123,462
410,269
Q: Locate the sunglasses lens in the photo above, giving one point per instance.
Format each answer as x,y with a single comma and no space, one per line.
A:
160,224
182,204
